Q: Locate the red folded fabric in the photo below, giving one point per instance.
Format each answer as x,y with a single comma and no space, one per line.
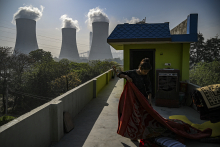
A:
138,120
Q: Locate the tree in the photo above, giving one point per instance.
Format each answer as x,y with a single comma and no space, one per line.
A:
197,50
36,78
20,63
40,55
64,66
212,49
204,73
64,83
87,71
43,72
5,67
204,51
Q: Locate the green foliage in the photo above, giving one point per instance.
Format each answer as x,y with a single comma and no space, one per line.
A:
40,55
37,78
196,50
117,60
64,83
212,49
78,66
5,61
64,66
87,71
5,119
205,73
204,51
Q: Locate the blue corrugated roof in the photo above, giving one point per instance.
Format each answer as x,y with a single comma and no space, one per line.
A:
131,31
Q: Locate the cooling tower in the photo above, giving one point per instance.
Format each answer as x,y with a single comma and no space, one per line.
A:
90,40
69,48
26,40
100,49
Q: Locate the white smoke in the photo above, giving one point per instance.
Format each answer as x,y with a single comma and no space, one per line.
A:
28,12
133,20
68,22
96,15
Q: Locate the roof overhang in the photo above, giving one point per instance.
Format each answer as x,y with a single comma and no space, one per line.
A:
136,40
143,42
120,45
183,38
185,32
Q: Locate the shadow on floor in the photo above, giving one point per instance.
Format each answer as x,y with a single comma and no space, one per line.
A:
135,142
85,120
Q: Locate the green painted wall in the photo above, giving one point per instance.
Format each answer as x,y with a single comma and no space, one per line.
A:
100,83
103,80
185,61
110,73
175,53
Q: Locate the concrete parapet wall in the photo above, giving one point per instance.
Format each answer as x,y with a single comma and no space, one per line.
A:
101,82
180,29
44,124
190,88
30,129
103,79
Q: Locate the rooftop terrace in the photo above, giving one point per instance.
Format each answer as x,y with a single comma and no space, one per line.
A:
96,125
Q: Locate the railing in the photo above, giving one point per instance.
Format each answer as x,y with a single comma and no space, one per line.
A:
43,125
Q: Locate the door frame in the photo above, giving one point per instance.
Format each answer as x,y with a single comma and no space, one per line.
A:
153,64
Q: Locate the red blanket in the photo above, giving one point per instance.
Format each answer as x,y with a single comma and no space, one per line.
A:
138,120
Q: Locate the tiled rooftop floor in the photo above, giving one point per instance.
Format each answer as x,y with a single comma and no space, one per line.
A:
96,125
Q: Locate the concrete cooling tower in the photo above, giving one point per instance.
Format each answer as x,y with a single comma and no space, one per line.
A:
90,40
26,40
100,49
69,48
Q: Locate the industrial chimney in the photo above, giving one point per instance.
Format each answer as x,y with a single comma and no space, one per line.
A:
26,40
69,49
100,49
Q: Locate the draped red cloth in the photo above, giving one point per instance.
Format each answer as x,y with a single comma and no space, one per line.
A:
138,120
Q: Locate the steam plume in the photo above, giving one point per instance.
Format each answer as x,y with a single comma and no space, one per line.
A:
29,12
132,21
96,15
68,22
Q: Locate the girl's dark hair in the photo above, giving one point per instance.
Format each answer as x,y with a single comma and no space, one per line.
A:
145,64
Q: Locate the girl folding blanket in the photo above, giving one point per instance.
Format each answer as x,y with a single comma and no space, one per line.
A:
138,120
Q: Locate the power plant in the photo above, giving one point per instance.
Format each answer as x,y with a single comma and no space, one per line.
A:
90,40
100,49
69,48
26,40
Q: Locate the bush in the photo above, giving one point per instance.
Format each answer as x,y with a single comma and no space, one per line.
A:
204,74
5,119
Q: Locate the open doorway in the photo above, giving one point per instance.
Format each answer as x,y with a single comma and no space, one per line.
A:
136,55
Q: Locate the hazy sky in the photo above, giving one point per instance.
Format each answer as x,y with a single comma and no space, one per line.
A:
118,11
